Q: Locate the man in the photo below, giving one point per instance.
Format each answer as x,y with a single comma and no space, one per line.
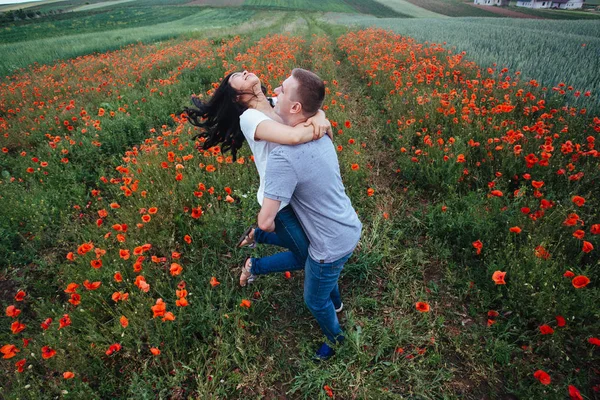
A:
308,177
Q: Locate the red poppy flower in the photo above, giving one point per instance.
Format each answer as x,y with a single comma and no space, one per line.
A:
568,274
587,247
546,330
12,311
169,316
64,321
245,303
541,252
71,287
91,285
595,229
478,245
68,375
542,376
560,321
20,365
159,308
187,239
422,306
515,229
578,200
124,254
497,193
580,281
328,390
75,299
118,277
124,321
355,167
8,351
20,295
113,348
574,393
498,277
176,269
155,351
46,324
48,352
17,327
214,282
595,341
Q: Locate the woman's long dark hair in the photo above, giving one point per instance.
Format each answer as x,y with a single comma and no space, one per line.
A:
219,118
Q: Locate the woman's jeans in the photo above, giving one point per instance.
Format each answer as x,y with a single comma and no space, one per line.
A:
288,234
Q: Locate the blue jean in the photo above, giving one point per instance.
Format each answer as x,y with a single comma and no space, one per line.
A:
288,234
321,292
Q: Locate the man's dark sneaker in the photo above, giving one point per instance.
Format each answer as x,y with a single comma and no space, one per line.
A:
324,353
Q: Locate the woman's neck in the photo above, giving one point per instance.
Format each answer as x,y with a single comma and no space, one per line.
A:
260,103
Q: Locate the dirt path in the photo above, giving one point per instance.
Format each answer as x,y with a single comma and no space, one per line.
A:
505,12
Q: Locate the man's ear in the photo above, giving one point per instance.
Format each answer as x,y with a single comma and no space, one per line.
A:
296,108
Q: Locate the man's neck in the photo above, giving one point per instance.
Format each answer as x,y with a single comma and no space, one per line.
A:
294,119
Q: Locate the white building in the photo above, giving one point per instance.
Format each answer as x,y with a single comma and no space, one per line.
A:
563,4
567,4
534,3
500,3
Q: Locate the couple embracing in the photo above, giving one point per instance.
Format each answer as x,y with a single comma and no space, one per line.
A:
304,206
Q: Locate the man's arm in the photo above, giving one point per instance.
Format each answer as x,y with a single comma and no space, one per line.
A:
266,216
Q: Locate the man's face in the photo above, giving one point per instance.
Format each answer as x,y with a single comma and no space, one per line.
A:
286,94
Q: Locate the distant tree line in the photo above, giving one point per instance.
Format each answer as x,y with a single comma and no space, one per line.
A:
24,14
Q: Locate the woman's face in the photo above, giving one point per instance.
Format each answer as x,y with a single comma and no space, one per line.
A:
244,82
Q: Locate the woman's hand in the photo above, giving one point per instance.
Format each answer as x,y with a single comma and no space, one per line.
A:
321,125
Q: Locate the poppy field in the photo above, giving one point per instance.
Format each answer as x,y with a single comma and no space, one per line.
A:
476,274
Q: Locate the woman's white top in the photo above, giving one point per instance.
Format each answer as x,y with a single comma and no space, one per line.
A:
249,121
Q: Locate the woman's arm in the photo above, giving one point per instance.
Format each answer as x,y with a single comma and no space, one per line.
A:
275,132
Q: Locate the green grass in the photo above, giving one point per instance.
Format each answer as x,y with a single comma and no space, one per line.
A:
101,5
47,50
81,22
453,8
407,8
375,8
557,14
371,7
312,5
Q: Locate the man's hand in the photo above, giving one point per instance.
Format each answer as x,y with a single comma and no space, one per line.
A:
267,214
321,125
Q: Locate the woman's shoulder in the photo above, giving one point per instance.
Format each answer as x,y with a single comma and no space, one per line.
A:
254,113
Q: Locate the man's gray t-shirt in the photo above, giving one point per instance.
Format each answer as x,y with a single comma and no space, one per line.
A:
308,177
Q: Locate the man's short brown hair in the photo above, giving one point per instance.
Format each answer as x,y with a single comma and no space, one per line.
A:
310,91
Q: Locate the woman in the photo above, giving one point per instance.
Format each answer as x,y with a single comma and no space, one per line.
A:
239,110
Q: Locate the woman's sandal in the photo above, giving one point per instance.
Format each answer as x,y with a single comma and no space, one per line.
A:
246,237
247,277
